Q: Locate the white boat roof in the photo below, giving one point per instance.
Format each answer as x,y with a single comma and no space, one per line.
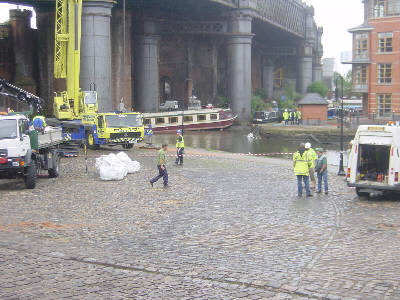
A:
185,112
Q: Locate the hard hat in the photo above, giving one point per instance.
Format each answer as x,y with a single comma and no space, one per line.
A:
286,110
179,131
351,142
307,145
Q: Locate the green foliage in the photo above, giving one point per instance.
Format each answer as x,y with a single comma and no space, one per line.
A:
347,84
291,97
261,93
223,102
318,87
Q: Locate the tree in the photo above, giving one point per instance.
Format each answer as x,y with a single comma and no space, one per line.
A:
347,84
318,87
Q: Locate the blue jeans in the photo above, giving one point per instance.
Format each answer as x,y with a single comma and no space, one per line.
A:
161,173
300,179
324,176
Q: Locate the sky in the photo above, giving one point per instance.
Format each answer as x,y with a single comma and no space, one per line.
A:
335,16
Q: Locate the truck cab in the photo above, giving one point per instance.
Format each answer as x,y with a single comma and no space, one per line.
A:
23,152
374,160
116,129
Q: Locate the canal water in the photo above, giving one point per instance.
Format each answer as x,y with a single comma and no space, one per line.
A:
235,140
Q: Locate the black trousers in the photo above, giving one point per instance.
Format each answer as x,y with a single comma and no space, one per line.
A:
179,155
161,173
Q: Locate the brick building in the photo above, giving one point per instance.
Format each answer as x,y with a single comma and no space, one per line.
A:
376,59
314,109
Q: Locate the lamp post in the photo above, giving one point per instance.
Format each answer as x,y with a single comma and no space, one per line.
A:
341,168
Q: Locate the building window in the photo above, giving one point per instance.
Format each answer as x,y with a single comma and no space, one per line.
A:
385,40
384,105
201,117
188,119
173,120
360,75
385,73
361,45
160,120
213,117
386,8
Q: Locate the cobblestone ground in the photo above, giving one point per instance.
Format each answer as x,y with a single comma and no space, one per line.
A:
229,227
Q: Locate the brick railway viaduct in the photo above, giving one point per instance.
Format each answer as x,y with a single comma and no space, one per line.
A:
147,50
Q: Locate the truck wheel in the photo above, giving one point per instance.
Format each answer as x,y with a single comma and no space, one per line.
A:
90,143
55,171
30,176
127,146
361,194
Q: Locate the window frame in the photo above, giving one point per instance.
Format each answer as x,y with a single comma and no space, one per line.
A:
382,105
361,45
160,118
188,119
384,73
170,122
383,42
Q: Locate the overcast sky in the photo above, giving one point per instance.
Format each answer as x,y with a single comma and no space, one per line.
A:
335,16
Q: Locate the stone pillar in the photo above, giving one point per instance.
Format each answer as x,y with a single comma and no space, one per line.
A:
24,44
147,69
317,73
96,50
239,63
121,59
45,22
268,77
305,74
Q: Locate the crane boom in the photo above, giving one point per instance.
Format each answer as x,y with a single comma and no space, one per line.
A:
67,57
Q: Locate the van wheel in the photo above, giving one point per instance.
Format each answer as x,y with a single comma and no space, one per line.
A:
361,194
30,176
55,171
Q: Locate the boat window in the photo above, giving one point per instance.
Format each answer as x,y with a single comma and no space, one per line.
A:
201,117
173,120
160,120
188,118
147,121
214,117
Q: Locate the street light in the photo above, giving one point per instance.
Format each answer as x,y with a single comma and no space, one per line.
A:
341,168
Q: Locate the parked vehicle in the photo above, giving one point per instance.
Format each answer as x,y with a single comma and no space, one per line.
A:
374,160
209,106
262,117
169,105
24,152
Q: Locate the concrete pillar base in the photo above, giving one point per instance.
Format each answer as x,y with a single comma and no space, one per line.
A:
305,73
268,77
147,73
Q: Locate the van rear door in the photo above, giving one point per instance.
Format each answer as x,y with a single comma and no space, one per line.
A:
374,158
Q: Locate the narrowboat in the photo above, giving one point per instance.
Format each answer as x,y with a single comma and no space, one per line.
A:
262,117
202,119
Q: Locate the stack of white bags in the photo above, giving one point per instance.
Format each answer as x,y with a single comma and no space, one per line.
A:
116,166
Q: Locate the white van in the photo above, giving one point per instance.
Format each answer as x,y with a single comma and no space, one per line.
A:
374,160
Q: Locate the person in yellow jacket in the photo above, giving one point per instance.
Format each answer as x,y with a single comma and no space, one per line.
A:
312,155
180,148
299,118
302,164
39,123
286,117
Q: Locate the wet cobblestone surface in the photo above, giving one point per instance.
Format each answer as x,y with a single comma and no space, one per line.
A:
229,227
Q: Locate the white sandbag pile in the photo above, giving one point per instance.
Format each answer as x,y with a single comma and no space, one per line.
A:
116,167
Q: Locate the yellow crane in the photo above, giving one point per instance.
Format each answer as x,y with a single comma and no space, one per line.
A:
76,111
